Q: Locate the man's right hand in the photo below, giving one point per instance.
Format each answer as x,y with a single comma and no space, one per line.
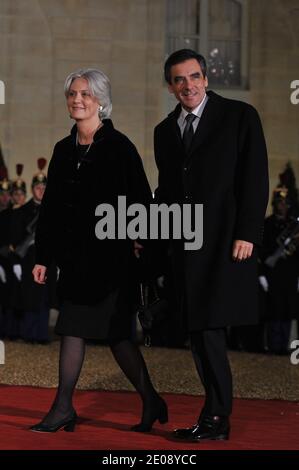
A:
39,273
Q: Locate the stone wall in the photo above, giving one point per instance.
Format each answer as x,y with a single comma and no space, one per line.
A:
41,41
274,64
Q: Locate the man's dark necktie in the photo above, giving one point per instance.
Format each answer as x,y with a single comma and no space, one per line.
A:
188,131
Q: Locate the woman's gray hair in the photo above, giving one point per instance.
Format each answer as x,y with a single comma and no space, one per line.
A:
99,86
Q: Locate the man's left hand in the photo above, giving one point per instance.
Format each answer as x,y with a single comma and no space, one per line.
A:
242,250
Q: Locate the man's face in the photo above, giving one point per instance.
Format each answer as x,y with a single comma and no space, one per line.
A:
19,197
188,83
281,208
4,198
38,191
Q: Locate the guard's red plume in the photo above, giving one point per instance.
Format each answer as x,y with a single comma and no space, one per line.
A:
19,168
41,163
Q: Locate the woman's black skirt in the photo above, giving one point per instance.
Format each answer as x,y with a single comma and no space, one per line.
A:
110,319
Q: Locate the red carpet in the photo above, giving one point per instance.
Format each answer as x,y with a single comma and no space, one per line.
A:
107,416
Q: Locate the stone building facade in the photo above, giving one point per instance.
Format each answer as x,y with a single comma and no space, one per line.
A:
41,41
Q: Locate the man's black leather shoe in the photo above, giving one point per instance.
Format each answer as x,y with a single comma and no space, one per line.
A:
209,427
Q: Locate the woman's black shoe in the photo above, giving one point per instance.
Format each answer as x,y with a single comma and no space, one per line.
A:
67,423
158,412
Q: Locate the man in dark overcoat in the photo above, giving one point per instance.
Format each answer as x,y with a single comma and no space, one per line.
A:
211,151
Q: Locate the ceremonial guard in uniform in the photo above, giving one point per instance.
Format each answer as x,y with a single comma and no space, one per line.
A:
32,299
12,299
18,190
5,187
280,269
5,211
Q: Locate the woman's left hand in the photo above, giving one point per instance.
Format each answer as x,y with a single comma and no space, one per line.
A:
242,250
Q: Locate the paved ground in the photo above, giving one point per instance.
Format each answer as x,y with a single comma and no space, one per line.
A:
255,375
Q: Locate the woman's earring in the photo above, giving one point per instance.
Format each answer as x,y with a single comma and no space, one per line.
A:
101,108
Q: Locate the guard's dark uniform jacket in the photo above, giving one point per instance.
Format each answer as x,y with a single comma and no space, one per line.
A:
283,277
23,224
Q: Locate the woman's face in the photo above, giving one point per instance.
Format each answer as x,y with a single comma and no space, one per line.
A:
80,102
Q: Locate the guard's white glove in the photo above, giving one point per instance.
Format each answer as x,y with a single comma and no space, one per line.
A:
160,281
17,269
264,283
2,275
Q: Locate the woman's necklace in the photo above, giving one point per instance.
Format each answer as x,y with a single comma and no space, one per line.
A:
87,150
85,153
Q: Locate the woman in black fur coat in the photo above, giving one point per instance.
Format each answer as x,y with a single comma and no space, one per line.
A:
97,284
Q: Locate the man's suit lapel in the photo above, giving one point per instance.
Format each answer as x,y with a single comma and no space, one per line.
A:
210,119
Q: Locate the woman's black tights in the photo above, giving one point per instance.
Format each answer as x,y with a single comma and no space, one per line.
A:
72,351
129,359
131,362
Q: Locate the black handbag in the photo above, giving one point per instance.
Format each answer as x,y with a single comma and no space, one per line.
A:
151,311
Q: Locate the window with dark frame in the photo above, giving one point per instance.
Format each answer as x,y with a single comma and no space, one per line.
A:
218,30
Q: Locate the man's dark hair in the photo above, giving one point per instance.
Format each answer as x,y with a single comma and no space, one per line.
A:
181,56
